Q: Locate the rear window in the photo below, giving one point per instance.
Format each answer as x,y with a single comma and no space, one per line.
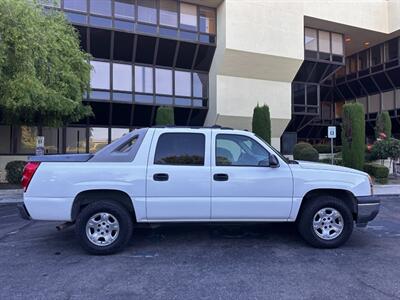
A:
184,149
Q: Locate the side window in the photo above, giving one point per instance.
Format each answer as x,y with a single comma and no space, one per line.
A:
239,150
184,149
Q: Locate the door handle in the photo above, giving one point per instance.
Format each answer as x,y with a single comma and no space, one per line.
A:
221,177
161,177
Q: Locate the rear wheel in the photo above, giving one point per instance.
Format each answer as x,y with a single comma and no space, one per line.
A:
325,222
103,227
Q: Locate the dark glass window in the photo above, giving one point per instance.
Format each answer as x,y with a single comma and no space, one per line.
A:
392,49
124,9
363,60
312,95
98,138
78,5
169,13
299,96
26,139
75,140
52,140
376,55
200,85
147,11
180,149
5,134
239,150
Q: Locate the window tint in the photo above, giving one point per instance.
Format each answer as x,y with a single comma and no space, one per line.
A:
180,149
239,150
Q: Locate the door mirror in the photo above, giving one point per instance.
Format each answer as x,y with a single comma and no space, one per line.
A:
273,161
264,163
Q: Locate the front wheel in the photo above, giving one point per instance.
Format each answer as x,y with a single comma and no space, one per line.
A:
103,227
325,222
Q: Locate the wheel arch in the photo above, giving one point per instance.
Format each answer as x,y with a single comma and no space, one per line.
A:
89,196
345,195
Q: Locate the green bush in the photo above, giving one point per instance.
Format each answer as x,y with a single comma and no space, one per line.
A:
383,125
14,171
326,148
379,172
165,116
261,123
353,136
304,151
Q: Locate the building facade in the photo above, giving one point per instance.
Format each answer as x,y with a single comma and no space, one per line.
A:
215,60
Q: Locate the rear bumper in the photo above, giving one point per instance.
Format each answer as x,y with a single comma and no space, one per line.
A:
23,212
368,208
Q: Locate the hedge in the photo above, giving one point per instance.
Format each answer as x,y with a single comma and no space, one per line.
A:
353,136
14,171
261,123
379,172
304,151
326,148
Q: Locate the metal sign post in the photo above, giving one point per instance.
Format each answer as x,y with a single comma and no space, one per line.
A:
332,135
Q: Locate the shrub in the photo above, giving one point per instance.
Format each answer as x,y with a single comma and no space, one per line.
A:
353,135
383,125
326,148
336,161
304,151
261,123
379,172
14,171
165,116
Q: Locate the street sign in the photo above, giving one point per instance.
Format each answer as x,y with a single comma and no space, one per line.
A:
40,145
332,132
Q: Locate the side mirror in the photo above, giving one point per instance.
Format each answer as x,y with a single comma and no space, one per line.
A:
273,161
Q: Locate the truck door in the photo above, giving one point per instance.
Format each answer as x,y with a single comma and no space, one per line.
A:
179,175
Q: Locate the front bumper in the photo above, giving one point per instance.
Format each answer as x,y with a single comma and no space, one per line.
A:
367,209
23,212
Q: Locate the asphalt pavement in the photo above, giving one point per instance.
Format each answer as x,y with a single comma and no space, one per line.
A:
254,261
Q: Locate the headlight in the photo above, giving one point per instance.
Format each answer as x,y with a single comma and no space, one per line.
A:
371,184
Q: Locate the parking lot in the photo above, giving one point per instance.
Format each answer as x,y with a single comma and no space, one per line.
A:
257,261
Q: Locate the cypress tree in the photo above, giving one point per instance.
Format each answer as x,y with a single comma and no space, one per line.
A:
353,135
383,125
165,116
261,123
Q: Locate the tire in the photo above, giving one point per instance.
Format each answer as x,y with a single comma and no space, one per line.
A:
320,228
103,227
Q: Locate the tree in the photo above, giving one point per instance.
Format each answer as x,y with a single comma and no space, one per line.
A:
261,123
383,125
165,116
353,135
43,72
387,148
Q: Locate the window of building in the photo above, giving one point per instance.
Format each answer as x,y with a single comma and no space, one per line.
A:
124,9
351,64
75,140
76,5
122,77
299,94
207,20
363,60
116,133
164,81
337,44
324,41
363,101
239,150
169,13
374,103
52,140
388,101
147,11
98,138
180,149
26,139
183,83
100,75
310,39
5,134
200,85
392,49
312,95
188,16
143,79
376,55
100,7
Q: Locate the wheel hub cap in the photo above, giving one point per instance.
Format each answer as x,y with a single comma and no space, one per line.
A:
328,223
102,229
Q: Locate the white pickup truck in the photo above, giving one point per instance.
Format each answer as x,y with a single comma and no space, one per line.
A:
173,174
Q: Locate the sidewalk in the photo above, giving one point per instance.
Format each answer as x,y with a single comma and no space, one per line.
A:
15,196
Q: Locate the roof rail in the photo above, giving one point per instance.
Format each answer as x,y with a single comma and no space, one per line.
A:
193,127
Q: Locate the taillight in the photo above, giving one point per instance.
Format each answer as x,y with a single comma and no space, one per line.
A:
29,171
